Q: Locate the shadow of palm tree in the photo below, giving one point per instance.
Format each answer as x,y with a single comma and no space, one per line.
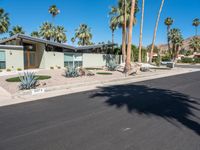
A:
141,99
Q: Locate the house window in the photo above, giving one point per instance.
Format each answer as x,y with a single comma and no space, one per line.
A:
73,60
2,60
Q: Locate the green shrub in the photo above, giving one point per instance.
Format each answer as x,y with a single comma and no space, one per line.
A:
71,72
51,68
166,58
19,69
8,70
187,60
28,81
58,67
197,60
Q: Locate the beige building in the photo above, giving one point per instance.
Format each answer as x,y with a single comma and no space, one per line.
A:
25,52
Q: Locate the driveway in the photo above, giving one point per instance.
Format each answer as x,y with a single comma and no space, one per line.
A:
161,114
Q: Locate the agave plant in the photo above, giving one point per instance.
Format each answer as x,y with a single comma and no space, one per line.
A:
112,66
28,81
71,72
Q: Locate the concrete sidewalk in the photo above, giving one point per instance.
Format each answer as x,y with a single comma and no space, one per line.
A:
26,96
4,95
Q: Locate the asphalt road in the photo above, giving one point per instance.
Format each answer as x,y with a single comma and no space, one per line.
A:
162,114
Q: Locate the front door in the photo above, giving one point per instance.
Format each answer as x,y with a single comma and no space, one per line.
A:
29,56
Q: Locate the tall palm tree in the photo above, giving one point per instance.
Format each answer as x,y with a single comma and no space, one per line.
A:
195,43
128,58
155,30
113,27
176,39
59,34
4,21
83,34
73,40
46,31
196,23
141,32
16,30
54,11
168,22
35,34
120,16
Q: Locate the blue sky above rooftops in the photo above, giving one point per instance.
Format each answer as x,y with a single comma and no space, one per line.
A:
30,14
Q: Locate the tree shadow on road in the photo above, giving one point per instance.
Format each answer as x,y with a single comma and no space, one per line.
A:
141,99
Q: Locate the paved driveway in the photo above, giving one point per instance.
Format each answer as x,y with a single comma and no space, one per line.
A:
162,114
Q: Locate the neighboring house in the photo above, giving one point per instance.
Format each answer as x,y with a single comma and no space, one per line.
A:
25,52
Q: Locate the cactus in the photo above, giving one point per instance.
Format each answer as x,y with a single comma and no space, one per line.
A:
71,72
112,66
28,81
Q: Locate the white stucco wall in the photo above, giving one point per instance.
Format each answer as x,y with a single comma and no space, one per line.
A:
98,60
54,59
14,59
40,55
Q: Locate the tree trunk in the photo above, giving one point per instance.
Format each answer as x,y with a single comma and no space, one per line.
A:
124,35
128,58
168,40
113,40
141,31
196,30
155,31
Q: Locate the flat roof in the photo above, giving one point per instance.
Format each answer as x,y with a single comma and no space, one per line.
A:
65,46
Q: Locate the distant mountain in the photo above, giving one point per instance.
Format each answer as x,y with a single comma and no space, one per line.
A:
164,47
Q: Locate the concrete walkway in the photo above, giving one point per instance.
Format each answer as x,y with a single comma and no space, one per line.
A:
4,95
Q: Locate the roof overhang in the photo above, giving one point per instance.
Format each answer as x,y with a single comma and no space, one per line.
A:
64,46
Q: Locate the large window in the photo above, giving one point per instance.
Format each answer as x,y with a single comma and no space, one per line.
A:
73,60
2,60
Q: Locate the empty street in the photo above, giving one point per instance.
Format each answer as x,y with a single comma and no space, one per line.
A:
161,114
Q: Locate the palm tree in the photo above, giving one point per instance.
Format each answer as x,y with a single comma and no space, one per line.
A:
59,34
54,11
16,30
46,31
195,43
4,21
120,16
113,27
155,31
176,39
196,23
73,40
128,58
141,32
83,33
168,22
35,34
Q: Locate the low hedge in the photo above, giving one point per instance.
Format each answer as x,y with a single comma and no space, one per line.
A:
190,60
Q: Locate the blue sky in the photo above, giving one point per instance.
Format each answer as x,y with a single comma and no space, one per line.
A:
30,14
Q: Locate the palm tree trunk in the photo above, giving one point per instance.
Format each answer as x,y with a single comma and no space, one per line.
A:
124,35
128,58
196,30
155,31
141,31
113,34
168,30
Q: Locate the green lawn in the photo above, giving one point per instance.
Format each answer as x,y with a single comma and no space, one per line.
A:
16,79
93,68
104,73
